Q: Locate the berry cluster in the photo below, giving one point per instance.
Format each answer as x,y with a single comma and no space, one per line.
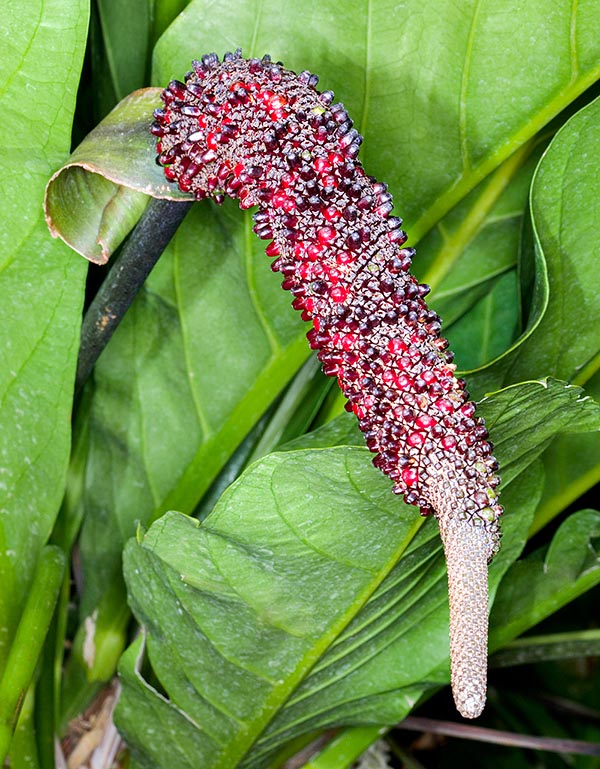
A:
253,131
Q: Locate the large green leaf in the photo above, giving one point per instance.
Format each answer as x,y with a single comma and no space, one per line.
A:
308,564
421,80
41,285
565,206
239,610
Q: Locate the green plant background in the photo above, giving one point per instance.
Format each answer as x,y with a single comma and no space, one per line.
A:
308,597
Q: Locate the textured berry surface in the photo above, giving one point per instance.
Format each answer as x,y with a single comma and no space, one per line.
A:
251,130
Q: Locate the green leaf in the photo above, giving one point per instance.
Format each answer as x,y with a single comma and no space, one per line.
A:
565,206
478,240
41,287
96,198
551,646
162,427
126,37
563,339
548,579
470,259
121,40
418,80
541,410
297,409
311,587
29,641
165,11
286,582
572,466
489,328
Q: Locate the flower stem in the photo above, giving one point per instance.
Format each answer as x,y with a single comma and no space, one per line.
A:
146,243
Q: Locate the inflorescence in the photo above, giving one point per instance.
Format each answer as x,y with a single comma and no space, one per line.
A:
251,130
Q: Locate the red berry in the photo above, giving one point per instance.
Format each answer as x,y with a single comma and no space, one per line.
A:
338,293
410,476
326,235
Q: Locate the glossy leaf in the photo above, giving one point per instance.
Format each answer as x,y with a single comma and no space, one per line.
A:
41,288
307,563
161,427
563,339
547,580
96,198
305,576
574,644
419,81
565,204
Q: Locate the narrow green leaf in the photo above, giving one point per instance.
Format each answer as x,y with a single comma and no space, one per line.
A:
464,248
29,641
294,415
345,748
556,646
126,37
565,206
41,287
490,326
165,11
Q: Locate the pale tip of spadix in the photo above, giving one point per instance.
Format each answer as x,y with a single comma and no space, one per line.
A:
467,550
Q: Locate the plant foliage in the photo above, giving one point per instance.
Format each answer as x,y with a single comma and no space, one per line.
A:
216,490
